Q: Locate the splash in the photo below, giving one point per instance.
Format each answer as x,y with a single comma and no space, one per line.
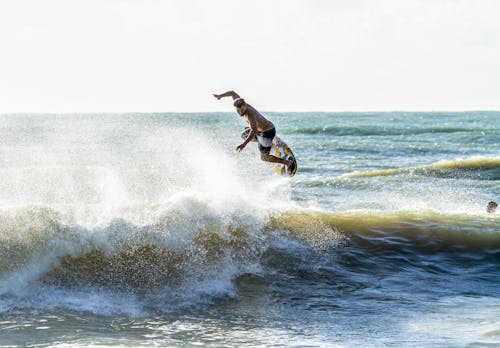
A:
140,212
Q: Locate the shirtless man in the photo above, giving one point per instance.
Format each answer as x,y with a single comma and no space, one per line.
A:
259,126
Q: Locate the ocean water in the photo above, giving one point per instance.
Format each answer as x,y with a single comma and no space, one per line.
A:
148,230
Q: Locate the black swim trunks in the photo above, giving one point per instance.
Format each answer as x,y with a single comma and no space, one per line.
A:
265,140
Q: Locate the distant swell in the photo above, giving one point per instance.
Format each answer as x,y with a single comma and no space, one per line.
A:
377,131
477,168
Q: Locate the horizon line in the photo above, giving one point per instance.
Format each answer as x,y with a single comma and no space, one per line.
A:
231,111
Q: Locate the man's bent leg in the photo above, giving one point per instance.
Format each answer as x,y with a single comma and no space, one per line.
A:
270,158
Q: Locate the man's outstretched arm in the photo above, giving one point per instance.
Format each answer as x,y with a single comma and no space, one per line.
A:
227,94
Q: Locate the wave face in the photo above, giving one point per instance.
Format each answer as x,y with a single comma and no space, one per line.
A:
417,230
151,226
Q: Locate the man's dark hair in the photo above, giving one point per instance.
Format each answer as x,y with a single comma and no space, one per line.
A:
238,103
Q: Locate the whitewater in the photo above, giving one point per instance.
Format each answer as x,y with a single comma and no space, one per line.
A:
149,230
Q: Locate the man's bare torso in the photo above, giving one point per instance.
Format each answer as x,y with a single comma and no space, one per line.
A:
262,123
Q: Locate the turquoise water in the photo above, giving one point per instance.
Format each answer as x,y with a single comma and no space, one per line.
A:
151,230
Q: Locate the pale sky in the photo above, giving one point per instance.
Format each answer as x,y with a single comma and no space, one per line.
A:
282,55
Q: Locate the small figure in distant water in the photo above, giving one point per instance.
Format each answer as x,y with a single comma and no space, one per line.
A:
491,207
259,126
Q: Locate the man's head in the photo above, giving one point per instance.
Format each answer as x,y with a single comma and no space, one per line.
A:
241,106
491,207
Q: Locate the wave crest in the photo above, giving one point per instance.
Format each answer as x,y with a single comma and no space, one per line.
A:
40,246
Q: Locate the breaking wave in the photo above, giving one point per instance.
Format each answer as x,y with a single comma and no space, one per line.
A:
180,248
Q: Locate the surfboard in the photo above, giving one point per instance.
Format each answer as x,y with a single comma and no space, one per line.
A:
282,150
279,149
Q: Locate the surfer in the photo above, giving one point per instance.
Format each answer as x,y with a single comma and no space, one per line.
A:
491,207
260,127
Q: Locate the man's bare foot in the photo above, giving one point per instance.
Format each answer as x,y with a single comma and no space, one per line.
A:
288,167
